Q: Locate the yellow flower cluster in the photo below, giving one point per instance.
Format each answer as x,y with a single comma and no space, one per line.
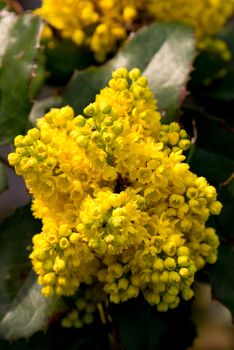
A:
102,24
82,309
205,16
99,24
119,206
215,46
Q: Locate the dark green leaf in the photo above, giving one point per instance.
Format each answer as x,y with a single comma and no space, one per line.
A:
62,57
15,237
213,158
213,133
222,276
55,337
18,52
207,68
179,328
163,51
216,168
3,179
213,77
223,89
227,34
138,325
39,76
23,310
29,312
225,219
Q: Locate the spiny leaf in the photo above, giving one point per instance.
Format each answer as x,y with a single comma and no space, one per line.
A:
141,326
57,337
225,219
29,312
18,52
15,236
138,325
216,168
222,276
164,51
23,309
223,89
62,57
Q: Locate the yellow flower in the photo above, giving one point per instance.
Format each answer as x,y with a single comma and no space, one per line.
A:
98,24
102,24
206,16
120,208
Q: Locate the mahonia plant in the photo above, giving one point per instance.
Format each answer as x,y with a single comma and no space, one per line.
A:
98,24
119,205
207,17
84,306
102,24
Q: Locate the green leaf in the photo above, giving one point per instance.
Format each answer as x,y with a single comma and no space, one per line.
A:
23,309
138,325
3,179
216,168
214,133
29,312
222,276
18,52
225,219
62,57
39,76
213,77
207,68
163,51
57,337
223,89
15,237
220,138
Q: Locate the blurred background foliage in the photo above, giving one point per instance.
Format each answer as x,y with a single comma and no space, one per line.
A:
201,98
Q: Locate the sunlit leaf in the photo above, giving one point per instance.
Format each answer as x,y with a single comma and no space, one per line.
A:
18,51
164,52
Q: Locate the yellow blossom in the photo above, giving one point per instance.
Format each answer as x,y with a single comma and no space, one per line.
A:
102,24
120,208
98,24
206,16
